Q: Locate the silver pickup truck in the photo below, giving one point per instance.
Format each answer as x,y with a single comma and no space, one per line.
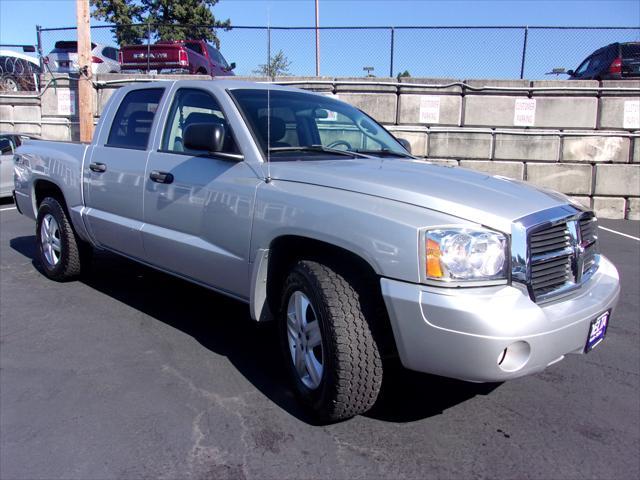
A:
317,217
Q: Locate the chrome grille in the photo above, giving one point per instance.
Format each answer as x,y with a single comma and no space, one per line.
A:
589,241
554,251
551,256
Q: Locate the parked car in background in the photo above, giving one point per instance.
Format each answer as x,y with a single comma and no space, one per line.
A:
613,62
176,56
18,71
64,58
8,144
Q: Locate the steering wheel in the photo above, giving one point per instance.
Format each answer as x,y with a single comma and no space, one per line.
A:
340,142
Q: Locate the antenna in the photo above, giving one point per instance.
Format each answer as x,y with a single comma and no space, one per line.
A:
269,72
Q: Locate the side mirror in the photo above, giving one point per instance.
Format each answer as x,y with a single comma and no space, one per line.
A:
232,66
570,72
6,146
405,143
208,137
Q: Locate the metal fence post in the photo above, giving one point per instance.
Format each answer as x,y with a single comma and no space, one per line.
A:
39,41
393,41
524,51
148,48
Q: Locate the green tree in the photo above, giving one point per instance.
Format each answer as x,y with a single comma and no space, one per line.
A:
403,74
278,66
168,19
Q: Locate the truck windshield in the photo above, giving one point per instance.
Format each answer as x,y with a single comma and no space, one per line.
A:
300,125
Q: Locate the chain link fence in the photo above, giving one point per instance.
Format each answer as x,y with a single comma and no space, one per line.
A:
430,52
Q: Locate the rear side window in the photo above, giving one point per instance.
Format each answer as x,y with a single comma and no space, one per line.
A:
110,52
131,126
630,50
196,47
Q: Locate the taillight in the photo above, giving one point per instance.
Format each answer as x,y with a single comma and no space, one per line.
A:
616,66
96,60
183,60
120,57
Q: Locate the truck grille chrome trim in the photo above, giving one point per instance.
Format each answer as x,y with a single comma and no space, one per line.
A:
554,251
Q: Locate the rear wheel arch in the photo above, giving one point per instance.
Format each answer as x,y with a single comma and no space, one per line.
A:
45,188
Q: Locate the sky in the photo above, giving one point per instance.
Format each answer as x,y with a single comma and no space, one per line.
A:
441,53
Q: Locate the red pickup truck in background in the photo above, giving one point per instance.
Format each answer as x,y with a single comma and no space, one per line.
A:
176,56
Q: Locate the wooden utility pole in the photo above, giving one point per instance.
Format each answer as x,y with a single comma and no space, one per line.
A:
85,88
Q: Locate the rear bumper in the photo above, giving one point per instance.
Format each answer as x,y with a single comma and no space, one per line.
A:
462,333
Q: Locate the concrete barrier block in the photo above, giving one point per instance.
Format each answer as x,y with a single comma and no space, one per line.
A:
633,208
566,87
623,88
26,113
6,113
308,83
621,180
27,128
418,141
435,109
381,106
526,147
437,85
56,132
515,87
566,178
366,84
596,149
566,112
488,111
613,115
506,169
460,145
609,207
582,200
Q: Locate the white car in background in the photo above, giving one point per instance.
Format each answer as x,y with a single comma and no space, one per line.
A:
64,58
8,144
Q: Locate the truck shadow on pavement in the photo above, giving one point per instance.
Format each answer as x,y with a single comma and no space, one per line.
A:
223,326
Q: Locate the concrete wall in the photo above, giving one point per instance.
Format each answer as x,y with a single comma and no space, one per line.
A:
579,137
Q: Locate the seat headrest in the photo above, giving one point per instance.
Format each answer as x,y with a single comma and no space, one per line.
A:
140,119
277,127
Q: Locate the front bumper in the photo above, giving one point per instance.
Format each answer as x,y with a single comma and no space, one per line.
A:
462,333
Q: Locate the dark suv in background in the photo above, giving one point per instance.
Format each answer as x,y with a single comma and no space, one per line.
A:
613,62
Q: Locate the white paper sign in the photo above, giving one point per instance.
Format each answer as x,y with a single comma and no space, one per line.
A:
66,102
430,109
524,114
631,118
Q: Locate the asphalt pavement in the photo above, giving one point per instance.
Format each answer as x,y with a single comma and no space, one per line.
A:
130,373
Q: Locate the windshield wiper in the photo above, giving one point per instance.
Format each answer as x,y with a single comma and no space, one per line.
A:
317,148
384,152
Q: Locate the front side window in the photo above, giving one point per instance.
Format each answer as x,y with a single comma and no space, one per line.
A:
190,106
132,123
217,57
293,124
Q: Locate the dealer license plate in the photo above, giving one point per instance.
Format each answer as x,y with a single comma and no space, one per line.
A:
597,331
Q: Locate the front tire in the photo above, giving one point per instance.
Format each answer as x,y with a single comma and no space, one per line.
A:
331,355
61,253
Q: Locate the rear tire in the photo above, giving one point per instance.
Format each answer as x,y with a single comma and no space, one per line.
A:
339,375
61,253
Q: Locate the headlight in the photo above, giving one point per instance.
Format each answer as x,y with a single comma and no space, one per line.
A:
465,255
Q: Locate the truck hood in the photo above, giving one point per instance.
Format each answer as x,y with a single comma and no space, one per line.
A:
492,201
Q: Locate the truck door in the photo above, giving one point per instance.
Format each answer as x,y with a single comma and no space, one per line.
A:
115,173
198,206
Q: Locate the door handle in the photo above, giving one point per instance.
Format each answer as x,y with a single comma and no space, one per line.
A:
161,177
98,167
